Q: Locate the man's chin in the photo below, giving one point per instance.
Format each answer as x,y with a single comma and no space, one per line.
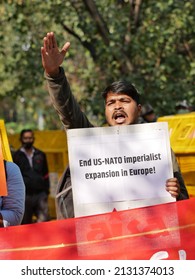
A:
120,123
116,123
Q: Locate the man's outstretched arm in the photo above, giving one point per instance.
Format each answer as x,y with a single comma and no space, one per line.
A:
59,89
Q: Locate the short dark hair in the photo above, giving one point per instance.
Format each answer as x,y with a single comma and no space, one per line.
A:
122,87
23,131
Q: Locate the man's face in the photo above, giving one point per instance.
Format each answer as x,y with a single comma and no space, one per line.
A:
121,109
27,140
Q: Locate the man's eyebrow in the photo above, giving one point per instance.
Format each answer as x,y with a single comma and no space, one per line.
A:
111,100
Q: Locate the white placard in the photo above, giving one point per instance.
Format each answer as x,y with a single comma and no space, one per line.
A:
119,167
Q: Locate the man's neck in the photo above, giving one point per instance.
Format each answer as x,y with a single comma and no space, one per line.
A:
28,151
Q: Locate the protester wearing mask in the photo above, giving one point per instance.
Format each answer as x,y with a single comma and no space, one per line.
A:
34,168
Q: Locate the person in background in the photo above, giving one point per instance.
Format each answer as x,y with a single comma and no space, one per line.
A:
182,107
12,205
34,168
147,114
122,107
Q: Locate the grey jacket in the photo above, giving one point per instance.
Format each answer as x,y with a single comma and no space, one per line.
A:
71,116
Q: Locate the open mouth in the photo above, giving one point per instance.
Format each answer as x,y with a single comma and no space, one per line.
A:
119,117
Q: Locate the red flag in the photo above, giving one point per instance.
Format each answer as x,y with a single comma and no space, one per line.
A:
163,231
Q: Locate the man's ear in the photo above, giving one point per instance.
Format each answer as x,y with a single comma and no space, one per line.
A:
139,109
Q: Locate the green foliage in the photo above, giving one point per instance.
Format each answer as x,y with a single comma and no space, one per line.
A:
153,46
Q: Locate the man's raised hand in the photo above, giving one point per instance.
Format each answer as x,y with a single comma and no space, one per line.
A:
52,57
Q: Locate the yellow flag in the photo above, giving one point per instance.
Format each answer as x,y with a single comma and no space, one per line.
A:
3,185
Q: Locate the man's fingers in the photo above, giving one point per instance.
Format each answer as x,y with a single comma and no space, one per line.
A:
43,52
65,48
53,39
49,40
45,44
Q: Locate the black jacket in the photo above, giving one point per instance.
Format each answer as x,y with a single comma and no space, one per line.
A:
36,178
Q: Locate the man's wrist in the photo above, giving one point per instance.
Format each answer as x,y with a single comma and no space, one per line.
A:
53,73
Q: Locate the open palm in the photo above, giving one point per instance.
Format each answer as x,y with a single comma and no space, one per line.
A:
52,57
